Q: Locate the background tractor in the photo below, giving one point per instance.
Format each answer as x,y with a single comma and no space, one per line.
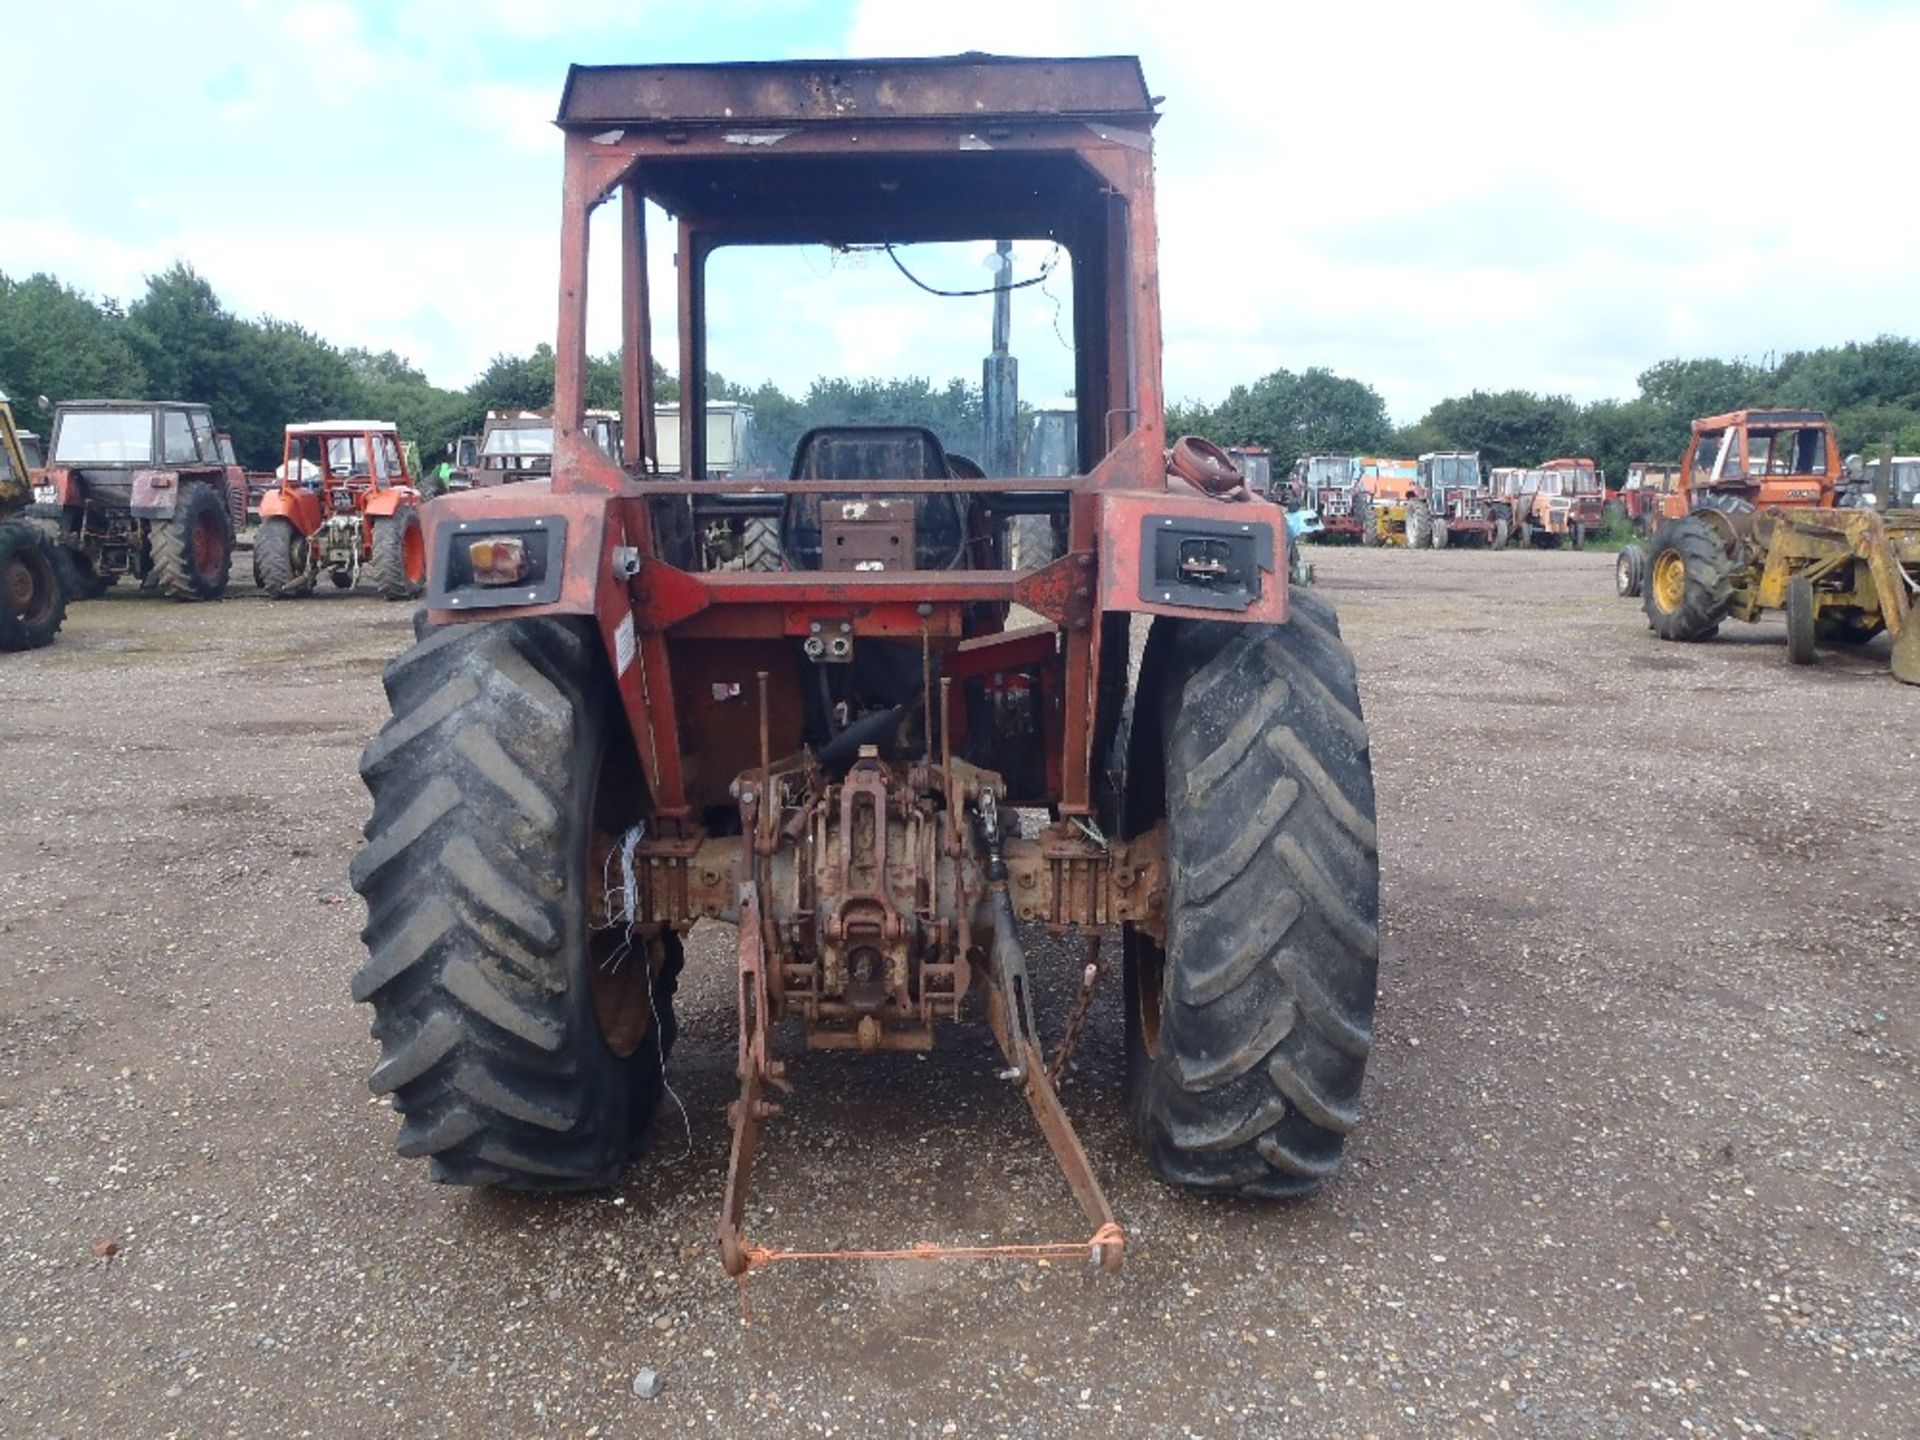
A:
141,488
1737,463
1561,503
346,507
33,594
1463,508
1764,533
1324,484
1640,503
601,739
1390,503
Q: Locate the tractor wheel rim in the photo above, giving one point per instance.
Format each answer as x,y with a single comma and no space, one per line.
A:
207,543
28,589
413,553
1670,582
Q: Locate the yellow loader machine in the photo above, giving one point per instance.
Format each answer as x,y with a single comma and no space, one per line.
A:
33,597
1841,573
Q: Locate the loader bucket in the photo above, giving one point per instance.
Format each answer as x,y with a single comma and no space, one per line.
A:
1906,650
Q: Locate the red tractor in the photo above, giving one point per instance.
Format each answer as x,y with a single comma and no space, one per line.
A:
141,488
346,506
602,740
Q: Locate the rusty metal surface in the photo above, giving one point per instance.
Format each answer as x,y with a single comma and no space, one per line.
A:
974,88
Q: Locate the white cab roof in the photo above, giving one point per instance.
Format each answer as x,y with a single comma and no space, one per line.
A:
350,427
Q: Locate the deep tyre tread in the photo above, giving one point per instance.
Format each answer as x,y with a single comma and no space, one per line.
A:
1419,526
386,567
1709,588
175,573
1266,1005
274,569
760,545
474,872
33,590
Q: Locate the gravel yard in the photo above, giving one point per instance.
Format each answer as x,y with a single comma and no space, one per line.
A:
1637,1157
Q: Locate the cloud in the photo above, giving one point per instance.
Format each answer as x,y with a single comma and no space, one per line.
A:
1540,195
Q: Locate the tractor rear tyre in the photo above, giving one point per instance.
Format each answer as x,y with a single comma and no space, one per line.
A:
1419,526
1247,1037
1577,535
522,1036
281,564
760,545
397,568
1803,621
1369,526
1440,537
1629,571
33,592
1529,535
193,548
1687,588
1030,541
1502,533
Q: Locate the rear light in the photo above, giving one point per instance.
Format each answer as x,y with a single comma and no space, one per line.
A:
499,560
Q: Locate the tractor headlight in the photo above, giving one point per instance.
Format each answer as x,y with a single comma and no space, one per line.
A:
497,561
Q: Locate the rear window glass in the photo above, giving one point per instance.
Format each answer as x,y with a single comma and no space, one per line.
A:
104,438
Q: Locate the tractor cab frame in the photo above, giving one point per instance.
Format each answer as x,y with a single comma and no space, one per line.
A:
827,753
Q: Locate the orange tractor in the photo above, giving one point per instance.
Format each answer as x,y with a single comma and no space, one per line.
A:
1560,503
346,506
605,737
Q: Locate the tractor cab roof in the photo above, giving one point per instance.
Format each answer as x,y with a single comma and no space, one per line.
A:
1760,418
344,427
131,405
844,152
976,88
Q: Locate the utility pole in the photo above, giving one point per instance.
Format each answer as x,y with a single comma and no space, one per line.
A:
1000,376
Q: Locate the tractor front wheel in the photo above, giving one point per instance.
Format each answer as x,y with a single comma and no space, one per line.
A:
1419,526
1629,571
193,548
282,559
1248,1034
397,568
1688,587
33,596
1803,621
523,1024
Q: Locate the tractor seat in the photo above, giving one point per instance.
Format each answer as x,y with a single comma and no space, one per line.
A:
873,452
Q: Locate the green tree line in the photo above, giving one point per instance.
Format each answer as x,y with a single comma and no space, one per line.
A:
177,341
1871,389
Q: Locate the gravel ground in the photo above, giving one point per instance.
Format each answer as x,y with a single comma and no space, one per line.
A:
1637,1156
